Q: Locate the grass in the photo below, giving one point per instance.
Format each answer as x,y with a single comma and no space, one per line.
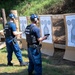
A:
53,65
16,69
1,27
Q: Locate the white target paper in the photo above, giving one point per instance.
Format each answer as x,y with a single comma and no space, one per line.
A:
46,27
23,24
70,22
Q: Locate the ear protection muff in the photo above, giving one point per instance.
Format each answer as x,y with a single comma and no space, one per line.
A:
34,17
12,16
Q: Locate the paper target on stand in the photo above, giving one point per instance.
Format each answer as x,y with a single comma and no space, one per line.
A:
23,24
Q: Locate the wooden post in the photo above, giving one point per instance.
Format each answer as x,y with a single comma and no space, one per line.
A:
4,17
4,21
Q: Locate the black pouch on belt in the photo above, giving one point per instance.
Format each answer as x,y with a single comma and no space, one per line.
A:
14,41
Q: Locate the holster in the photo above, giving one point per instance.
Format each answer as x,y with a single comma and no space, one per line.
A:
14,41
38,47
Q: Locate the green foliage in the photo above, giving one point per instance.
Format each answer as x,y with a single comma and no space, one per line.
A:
27,7
38,7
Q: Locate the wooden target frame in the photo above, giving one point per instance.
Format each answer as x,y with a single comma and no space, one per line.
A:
70,48
23,24
47,47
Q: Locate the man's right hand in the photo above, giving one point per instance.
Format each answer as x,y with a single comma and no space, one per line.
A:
46,35
2,32
43,38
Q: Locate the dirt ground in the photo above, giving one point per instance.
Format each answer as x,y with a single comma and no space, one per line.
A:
57,58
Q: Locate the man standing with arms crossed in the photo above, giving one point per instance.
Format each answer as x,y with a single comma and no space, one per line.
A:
33,39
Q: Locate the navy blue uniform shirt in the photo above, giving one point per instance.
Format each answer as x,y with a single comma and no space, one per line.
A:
12,26
36,31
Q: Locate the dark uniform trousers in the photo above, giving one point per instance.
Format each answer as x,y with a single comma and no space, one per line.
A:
12,46
35,61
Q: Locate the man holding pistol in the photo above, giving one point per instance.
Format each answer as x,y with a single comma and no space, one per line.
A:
33,39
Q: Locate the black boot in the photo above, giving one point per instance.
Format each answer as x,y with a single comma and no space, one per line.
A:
9,64
30,73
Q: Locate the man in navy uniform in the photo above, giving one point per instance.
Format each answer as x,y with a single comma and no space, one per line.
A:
33,39
11,42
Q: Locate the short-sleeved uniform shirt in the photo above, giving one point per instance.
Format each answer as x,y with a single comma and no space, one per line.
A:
35,31
12,26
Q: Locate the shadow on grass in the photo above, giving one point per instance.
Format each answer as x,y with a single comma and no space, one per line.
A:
25,55
23,72
3,65
3,50
18,72
57,59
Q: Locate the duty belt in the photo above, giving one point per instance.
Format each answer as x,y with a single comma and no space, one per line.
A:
35,46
